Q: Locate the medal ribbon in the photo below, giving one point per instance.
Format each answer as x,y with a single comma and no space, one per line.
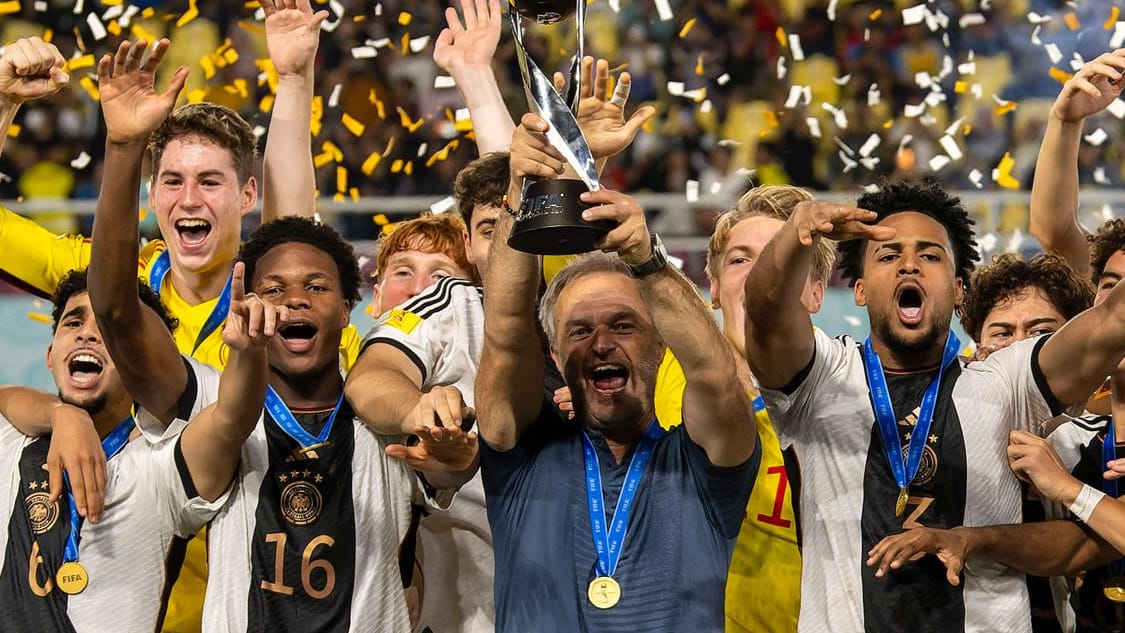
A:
156,277
608,544
111,445
885,415
285,420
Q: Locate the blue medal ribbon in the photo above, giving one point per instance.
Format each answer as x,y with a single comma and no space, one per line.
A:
1109,486
111,445
608,543
285,420
885,416
156,277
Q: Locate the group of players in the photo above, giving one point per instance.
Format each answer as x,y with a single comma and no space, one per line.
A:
529,444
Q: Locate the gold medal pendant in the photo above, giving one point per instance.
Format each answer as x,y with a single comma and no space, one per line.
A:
604,592
1114,588
72,578
900,505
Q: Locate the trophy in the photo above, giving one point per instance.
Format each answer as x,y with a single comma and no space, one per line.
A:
549,221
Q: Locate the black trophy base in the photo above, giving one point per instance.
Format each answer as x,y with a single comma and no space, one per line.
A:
549,221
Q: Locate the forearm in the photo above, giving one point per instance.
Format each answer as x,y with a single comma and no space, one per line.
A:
28,410
1108,521
1046,548
289,177
8,110
1083,352
779,334
212,444
1054,195
383,399
492,124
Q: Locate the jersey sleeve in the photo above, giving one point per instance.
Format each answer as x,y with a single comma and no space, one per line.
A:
201,391
432,327
36,259
1016,379
795,404
175,492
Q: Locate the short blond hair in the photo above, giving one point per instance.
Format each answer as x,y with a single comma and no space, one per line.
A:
772,201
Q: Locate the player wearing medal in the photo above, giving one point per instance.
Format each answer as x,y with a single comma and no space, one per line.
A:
896,433
309,539
60,573
664,554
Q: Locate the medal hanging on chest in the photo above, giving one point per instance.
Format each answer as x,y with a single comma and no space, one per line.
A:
604,592
1113,586
72,577
904,470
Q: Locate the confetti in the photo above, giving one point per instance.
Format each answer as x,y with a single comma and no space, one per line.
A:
1117,108
1072,22
40,5
1096,138
364,52
842,81
849,164
913,110
444,205
1015,241
13,130
686,28
1118,35
1100,177
371,163
1002,174
1035,18
41,318
987,242
798,95
938,162
404,18
723,79
692,191
13,6
851,320
81,161
1035,36
976,178
950,146
79,62
795,47
1053,53
780,35
334,97
675,88
971,19
839,116
781,69
354,126
444,81
88,85
1107,212
706,106
188,15
97,29
967,68
832,10
1060,76
716,188
418,45
914,15
663,10
1076,62
869,145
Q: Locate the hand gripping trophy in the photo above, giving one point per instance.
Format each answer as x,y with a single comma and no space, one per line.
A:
549,220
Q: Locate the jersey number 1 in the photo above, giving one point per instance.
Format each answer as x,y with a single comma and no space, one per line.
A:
308,566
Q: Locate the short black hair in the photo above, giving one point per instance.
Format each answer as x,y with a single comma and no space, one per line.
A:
305,231
1109,239
928,198
75,283
482,182
1008,276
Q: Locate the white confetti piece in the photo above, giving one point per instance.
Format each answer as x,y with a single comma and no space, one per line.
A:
462,114
417,45
797,96
615,5
80,161
945,40
444,81
675,88
1107,212
954,127
334,98
843,146
113,12
1118,35
913,110
127,19
728,142
967,68
422,149
338,10
1053,53
694,95
869,163
40,5
664,10
948,143
814,127
379,9
1015,241
795,47
692,191
849,164
976,178
1035,36
78,7
364,52
363,260
1035,18
935,98
977,90
873,95
1076,62
97,29
676,262
937,163
706,106
971,19
838,115
259,131
716,187
443,206
869,145
831,11
842,81
781,69
1096,138
1100,177
318,220
914,14
854,321
923,80
1116,108
866,35
723,79
382,42
987,242
904,142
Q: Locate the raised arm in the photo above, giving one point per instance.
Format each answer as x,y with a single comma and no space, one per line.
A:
1054,193
465,51
717,413
509,387
137,339
29,69
211,444
779,331
292,36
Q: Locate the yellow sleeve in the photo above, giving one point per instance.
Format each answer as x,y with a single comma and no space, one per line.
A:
36,259
350,342
670,385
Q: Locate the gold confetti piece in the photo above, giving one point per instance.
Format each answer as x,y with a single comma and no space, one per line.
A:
339,197
442,153
13,130
355,127
341,178
333,150
112,3
148,13
771,120
699,65
409,169
1060,76
370,309
266,104
141,33
961,87
1072,21
1003,173
48,35
396,166
888,124
1004,108
381,219
142,213
405,43
35,316
315,122
875,15
322,159
782,40
13,6
404,119
687,27
252,27
230,55
354,193
114,28
208,66
1113,15
237,87
88,85
371,163
380,108
188,15
404,18
197,96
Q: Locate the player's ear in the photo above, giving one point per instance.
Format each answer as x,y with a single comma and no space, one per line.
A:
860,294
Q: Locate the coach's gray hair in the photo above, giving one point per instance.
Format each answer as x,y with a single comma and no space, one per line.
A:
595,262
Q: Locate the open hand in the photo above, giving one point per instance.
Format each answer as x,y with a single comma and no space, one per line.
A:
29,69
601,116
292,35
472,44
837,222
891,553
1092,88
130,105
439,449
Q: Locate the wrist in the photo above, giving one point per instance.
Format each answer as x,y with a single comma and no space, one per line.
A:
125,143
9,105
300,78
1087,498
1057,118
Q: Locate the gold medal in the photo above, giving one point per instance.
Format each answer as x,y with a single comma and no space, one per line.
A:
900,505
72,578
1114,588
604,592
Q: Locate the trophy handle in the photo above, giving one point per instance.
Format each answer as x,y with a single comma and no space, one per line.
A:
564,133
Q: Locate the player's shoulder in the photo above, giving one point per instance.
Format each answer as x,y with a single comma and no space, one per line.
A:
440,296
149,253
